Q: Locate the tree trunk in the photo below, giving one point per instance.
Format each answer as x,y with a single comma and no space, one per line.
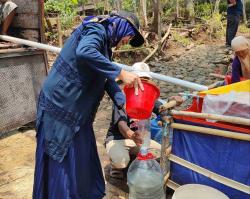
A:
244,12
135,7
106,7
157,18
143,12
216,6
118,5
190,10
177,8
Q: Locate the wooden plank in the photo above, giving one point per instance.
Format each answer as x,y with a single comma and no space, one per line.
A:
30,21
19,52
59,30
8,45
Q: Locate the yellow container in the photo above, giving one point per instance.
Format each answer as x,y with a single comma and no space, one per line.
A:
243,86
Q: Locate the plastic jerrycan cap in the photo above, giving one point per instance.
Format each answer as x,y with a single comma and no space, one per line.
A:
148,156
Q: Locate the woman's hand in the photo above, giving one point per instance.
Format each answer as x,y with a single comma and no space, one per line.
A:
132,80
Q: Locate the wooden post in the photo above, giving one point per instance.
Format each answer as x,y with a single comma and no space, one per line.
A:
143,12
209,131
177,9
164,145
59,30
157,18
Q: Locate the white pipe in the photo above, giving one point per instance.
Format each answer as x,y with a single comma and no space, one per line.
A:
169,79
30,43
54,49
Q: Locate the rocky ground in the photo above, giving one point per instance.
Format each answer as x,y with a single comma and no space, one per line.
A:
193,65
17,152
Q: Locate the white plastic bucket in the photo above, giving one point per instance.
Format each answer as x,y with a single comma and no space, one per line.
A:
198,191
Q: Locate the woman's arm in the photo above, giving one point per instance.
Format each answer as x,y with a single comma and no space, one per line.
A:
88,52
115,93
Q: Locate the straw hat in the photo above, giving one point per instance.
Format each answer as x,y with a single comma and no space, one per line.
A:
142,69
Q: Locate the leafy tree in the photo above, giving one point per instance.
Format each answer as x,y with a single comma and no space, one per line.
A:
66,9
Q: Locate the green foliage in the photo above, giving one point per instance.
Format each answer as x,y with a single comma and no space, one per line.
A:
181,39
223,6
213,20
203,10
100,4
243,28
66,9
169,7
128,5
215,25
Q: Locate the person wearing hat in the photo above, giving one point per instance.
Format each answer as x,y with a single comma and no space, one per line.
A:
240,65
241,62
122,139
67,163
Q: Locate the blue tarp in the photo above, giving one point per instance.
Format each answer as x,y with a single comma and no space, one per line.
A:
227,157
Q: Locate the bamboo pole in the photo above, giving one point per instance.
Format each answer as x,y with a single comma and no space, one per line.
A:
171,184
222,118
59,31
214,176
203,130
217,75
164,146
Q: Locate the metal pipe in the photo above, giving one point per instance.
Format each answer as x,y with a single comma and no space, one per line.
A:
54,49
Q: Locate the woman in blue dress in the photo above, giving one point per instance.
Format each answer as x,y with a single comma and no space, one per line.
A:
67,162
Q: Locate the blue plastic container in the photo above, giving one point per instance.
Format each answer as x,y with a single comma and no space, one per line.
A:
156,130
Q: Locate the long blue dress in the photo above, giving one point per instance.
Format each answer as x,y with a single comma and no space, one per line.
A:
78,176
67,162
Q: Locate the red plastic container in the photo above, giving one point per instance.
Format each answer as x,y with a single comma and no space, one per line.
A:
141,106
